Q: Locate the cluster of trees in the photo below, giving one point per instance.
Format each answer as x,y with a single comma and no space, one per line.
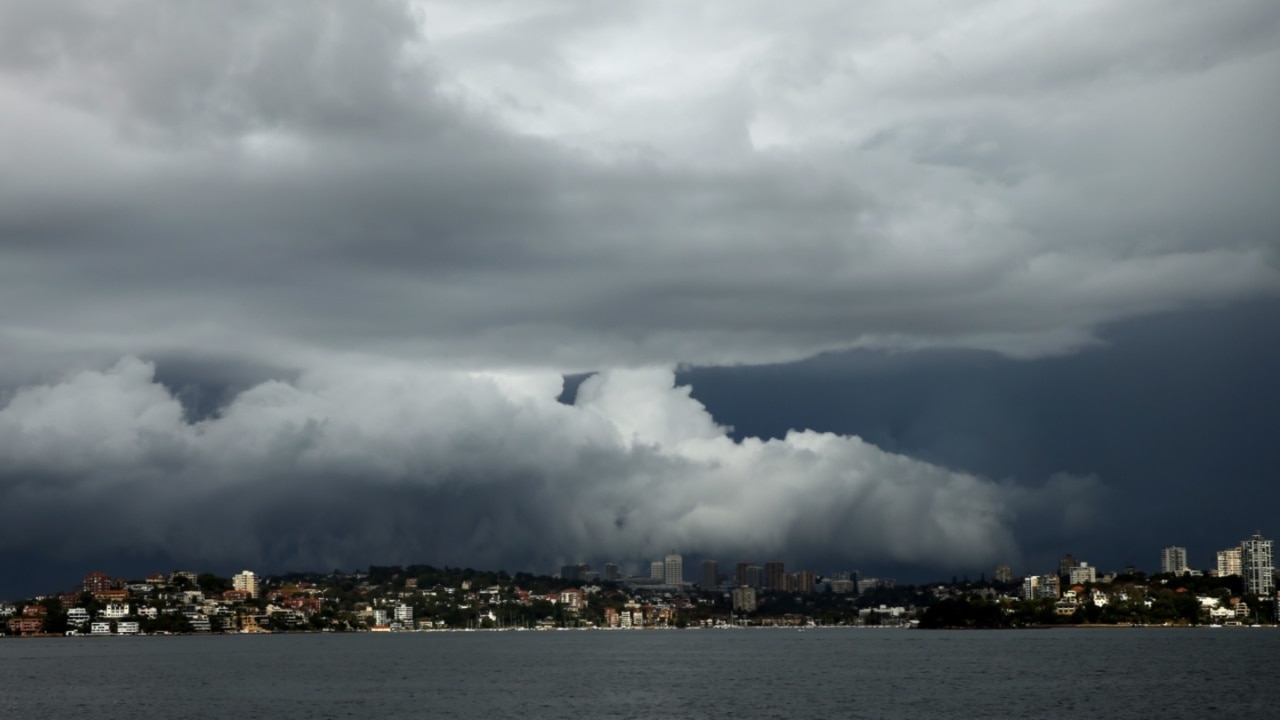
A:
1173,600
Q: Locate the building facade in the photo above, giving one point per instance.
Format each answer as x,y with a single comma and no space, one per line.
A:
1229,562
709,574
96,582
803,581
775,576
1003,574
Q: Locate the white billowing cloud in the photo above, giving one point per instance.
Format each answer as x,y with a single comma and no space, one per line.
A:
356,465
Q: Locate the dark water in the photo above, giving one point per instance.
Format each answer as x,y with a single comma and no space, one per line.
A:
1115,674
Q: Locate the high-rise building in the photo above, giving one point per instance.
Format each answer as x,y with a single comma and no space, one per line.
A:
1257,564
802,582
1065,563
1229,562
612,573
1173,560
740,573
754,576
247,582
744,599
775,575
709,574
1003,574
673,570
569,572
657,571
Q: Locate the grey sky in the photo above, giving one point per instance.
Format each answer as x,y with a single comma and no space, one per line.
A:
347,196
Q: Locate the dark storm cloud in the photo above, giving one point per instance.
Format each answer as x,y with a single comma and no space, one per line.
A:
340,469
256,195
1173,419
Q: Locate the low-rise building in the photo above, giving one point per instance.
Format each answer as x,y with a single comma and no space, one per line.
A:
24,625
199,623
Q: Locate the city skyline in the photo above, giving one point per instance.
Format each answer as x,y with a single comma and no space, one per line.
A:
921,293
1255,566
1255,552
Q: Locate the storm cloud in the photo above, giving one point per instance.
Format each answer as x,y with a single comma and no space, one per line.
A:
321,200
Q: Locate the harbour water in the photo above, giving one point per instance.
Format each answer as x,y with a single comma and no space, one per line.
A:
817,673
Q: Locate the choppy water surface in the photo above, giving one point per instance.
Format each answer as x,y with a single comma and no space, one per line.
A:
1117,674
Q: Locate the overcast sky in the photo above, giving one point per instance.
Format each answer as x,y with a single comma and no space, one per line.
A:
296,285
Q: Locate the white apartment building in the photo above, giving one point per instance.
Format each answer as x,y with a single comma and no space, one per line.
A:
115,611
247,582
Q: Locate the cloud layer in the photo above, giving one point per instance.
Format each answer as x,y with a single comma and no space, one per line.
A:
345,468
422,213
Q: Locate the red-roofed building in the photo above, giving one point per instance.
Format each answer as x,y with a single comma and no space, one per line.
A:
236,596
34,611
303,604
112,595
571,598
96,582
